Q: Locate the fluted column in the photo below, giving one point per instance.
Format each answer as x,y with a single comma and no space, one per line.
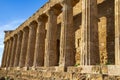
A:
24,47
18,49
31,45
13,51
9,52
67,45
4,54
117,32
51,39
40,42
89,33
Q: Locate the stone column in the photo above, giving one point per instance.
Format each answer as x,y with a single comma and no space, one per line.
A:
18,49
4,55
40,42
117,32
31,45
6,63
89,33
9,52
51,39
13,51
67,40
24,47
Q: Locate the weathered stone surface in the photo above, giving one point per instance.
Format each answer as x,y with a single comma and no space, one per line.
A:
24,47
85,69
67,46
51,39
117,32
66,36
18,49
31,44
89,33
54,75
9,52
40,42
13,53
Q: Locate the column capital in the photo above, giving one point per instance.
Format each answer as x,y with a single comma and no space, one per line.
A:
25,29
11,38
33,25
19,33
53,11
42,18
69,1
5,42
65,1
15,35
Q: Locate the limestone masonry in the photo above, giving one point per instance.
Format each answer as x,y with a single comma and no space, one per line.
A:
66,40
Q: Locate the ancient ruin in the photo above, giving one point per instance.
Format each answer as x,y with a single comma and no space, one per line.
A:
66,40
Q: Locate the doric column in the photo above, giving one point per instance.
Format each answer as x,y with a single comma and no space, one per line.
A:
18,49
40,42
117,32
9,52
67,45
51,39
24,47
31,44
89,33
4,54
13,51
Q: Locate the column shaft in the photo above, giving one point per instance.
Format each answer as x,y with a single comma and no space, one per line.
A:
67,41
4,54
31,45
89,33
13,51
40,44
9,53
18,49
24,47
117,32
51,38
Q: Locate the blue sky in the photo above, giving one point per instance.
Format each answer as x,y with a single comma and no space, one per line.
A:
15,12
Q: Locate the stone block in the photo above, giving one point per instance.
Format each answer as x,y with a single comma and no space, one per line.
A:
85,69
114,70
104,69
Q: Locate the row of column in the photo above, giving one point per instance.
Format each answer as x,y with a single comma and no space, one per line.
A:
35,46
